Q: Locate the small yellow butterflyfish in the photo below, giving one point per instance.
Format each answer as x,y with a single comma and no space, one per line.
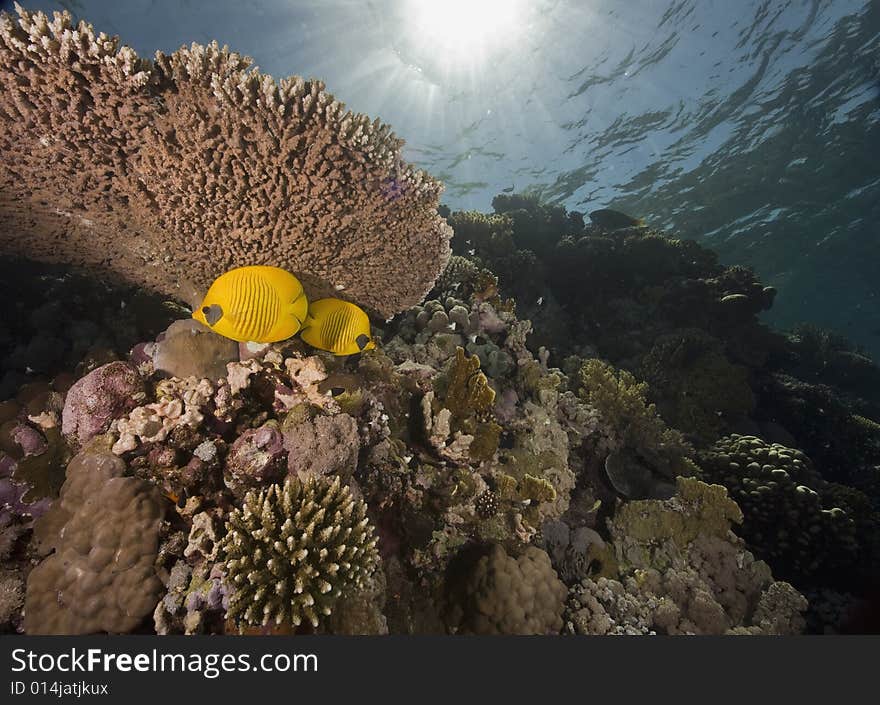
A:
337,326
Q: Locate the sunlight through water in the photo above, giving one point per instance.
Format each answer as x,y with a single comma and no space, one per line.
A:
464,31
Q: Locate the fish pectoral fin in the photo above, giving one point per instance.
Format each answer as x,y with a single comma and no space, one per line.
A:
213,313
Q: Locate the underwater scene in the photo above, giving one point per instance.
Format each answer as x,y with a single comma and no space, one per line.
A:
416,317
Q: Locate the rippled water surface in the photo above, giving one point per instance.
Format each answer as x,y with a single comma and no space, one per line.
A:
753,126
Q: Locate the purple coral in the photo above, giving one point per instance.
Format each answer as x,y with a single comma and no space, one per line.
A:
107,393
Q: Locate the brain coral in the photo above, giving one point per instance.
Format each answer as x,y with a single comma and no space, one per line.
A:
101,577
294,549
158,172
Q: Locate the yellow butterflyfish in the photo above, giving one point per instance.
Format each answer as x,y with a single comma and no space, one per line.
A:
258,304
337,326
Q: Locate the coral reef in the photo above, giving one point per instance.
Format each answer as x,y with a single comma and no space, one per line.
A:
279,173
501,594
292,550
104,530
695,387
677,569
642,454
526,450
793,518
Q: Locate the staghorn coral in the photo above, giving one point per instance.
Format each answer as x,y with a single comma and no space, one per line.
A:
501,594
101,577
791,516
196,162
292,551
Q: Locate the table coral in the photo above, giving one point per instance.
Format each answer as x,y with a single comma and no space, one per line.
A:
198,163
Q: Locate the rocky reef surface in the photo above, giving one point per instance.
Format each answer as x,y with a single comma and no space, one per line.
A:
659,469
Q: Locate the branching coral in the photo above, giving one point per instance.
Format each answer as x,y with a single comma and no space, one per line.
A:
197,162
292,551
644,451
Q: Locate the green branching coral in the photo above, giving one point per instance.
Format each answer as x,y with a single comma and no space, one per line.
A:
293,550
791,519
695,386
638,439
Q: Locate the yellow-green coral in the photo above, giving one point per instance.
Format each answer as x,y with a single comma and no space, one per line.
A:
536,489
292,551
466,393
700,509
631,423
467,390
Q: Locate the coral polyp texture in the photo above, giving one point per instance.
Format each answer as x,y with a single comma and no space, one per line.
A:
179,168
105,533
292,550
794,518
528,449
503,594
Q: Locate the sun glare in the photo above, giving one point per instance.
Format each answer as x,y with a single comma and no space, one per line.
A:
465,30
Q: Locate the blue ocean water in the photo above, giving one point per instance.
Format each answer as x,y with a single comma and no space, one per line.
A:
751,126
